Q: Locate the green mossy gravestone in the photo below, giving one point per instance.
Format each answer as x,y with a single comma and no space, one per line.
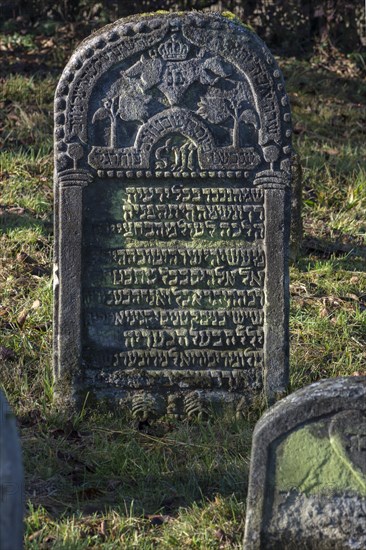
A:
307,485
173,167
11,481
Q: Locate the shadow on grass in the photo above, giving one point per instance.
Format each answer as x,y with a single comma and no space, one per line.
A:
97,469
326,249
24,220
168,493
315,80
167,496
27,64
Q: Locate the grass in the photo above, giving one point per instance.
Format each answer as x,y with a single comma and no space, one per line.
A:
97,481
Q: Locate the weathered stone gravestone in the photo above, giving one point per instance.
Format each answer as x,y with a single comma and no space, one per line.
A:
11,481
172,216
307,485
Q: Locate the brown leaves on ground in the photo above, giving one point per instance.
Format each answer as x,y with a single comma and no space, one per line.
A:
325,241
327,304
32,266
27,52
333,60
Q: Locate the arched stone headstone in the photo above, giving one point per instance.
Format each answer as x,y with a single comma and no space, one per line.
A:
173,167
11,481
307,483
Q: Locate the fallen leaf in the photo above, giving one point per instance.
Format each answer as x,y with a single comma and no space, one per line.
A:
331,151
25,258
332,300
22,317
16,210
220,535
38,270
353,297
103,527
324,312
35,535
3,311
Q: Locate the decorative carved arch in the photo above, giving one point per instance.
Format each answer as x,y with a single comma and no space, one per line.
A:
125,38
170,121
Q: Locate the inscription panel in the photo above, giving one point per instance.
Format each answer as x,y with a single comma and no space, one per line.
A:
168,289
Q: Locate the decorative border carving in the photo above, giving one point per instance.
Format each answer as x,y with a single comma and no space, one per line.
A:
126,38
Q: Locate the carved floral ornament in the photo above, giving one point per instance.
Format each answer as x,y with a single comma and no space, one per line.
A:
177,96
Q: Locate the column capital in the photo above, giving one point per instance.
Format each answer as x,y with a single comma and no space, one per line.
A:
74,178
272,179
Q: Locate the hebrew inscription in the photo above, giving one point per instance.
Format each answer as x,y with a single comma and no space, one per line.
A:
192,304
172,180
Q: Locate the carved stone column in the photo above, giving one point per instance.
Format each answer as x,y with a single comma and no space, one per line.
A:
276,283
67,278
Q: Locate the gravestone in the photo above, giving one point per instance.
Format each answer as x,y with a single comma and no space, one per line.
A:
11,481
173,168
307,485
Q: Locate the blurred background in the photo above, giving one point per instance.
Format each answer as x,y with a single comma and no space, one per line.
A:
291,26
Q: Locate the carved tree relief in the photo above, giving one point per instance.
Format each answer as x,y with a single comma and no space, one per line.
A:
123,100
219,105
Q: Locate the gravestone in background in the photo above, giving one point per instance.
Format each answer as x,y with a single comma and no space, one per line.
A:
173,163
11,481
307,485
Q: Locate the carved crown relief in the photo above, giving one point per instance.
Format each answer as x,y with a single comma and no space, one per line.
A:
179,102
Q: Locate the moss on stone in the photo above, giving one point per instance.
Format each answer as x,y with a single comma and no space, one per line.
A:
309,463
232,17
160,12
